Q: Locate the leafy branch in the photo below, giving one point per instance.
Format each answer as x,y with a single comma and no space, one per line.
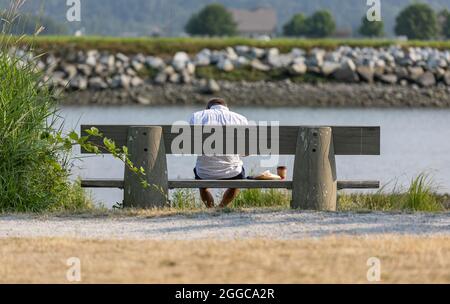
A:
86,143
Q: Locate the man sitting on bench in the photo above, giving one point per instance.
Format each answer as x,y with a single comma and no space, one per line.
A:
228,167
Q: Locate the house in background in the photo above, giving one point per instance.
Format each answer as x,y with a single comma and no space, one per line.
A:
260,21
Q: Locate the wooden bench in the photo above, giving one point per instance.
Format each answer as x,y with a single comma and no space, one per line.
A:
314,185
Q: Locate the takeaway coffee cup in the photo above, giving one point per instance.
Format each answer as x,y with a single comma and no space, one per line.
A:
282,172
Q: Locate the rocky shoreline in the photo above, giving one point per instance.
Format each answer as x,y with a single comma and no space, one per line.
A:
269,94
343,77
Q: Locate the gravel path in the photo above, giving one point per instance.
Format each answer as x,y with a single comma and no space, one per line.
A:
222,226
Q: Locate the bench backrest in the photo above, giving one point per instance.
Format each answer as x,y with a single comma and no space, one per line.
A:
347,140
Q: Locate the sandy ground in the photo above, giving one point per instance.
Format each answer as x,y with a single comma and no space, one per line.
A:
273,225
398,259
257,246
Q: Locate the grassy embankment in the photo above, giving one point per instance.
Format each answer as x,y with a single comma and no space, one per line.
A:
168,46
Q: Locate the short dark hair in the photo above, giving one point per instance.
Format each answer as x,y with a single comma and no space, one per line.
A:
216,102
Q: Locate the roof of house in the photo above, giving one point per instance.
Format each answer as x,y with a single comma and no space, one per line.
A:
260,20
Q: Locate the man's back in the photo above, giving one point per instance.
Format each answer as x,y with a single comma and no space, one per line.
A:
218,167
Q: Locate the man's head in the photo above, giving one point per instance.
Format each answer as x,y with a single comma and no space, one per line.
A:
216,102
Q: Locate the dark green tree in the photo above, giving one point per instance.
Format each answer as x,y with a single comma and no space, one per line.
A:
371,28
444,23
321,24
296,26
212,20
417,21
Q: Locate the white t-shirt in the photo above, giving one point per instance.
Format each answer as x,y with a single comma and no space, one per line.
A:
218,167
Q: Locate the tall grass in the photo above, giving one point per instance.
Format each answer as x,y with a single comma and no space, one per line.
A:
420,196
33,168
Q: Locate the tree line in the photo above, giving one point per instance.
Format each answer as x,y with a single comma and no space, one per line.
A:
416,21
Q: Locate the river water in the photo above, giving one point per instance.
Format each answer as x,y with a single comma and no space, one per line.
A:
413,141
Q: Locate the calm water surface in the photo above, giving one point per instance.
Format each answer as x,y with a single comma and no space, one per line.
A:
412,141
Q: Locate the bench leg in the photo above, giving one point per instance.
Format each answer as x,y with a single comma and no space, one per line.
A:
315,182
146,148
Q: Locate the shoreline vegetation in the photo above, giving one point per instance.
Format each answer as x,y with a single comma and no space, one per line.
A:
170,46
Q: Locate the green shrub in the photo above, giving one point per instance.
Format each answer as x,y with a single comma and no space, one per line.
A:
371,29
417,21
212,20
321,24
296,26
34,158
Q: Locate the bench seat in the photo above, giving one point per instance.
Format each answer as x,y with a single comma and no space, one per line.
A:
219,184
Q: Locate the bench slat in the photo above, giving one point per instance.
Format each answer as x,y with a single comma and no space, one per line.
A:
242,184
347,140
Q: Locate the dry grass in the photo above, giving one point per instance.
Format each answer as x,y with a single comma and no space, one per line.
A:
328,260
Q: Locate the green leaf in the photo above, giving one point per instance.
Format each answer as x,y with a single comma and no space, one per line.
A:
74,136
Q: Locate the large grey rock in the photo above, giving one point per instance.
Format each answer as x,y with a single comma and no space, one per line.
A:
415,72
257,53
225,65
446,78
242,50
97,83
122,57
121,81
130,72
57,79
108,61
169,70
203,58
210,87
85,69
70,70
241,62
136,81
143,100
137,65
298,68
258,65
329,68
231,54
427,80
346,72
186,77
387,78
365,73
161,78
316,58
190,68
180,60
279,61
174,78
155,63
91,61
401,72
79,83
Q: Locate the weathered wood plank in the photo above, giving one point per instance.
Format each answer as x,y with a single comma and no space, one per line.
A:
347,140
241,184
146,149
315,181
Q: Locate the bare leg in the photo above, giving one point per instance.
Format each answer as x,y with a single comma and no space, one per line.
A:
229,197
207,198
